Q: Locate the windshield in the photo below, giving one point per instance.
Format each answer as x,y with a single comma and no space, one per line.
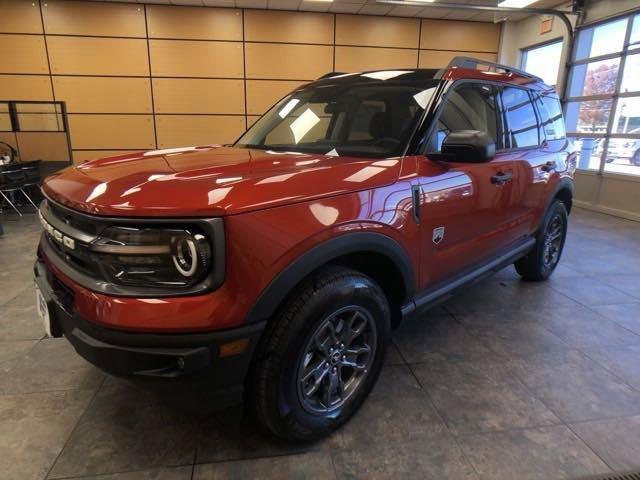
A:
372,119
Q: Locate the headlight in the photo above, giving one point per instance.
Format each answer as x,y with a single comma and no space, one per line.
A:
153,257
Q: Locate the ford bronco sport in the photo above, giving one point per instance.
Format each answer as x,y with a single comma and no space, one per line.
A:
273,270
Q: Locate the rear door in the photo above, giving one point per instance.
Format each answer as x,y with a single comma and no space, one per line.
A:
534,158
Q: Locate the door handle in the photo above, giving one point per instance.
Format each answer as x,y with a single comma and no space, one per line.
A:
501,178
549,166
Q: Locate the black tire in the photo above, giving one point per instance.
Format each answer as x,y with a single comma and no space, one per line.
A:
275,391
635,160
540,263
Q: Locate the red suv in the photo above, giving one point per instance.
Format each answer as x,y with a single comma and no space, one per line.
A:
273,270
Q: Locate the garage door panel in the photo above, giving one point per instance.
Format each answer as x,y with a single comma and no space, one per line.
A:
456,35
262,94
104,94
293,27
98,56
23,54
355,59
173,95
300,62
111,131
182,58
93,18
188,130
194,23
377,31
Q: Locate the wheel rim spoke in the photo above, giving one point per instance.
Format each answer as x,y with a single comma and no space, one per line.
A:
317,383
330,391
318,370
358,350
354,365
354,329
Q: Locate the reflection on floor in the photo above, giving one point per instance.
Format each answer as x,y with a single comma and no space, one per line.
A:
513,380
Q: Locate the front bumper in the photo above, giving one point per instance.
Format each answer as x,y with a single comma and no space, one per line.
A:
192,360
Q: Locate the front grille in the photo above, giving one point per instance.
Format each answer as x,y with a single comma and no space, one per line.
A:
78,258
73,219
78,227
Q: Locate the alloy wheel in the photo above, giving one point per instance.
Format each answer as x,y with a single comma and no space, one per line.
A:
553,241
336,360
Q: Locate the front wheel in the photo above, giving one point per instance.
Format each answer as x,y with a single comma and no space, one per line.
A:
321,355
635,160
540,263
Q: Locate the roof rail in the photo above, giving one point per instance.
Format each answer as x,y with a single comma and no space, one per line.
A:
472,63
330,74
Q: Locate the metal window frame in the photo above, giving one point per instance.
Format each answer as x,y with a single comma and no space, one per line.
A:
525,51
628,48
60,108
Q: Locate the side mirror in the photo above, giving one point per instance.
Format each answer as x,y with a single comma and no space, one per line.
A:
472,146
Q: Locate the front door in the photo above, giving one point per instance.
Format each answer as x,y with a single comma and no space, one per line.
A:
467,208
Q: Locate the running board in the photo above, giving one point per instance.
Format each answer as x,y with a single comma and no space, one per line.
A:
432,297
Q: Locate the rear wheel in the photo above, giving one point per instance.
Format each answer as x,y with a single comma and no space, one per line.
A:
540,263
321,356
635,160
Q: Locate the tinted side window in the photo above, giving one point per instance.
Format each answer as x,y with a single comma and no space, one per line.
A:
519,117
468,107
551,118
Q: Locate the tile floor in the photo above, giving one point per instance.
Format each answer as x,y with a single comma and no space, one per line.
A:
513,380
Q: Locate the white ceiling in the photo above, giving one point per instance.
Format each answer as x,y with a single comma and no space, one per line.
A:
361,7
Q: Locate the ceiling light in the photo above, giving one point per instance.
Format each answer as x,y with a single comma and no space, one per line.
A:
515,3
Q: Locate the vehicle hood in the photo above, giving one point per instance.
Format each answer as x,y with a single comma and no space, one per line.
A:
211,181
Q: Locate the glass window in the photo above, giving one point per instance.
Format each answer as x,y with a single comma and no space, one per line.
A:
591,116
635,30
623,155
631,75
601,39
543,61
627,116
589,152
39,117
596,110
552,123
521,127
356,119
470,106
595,78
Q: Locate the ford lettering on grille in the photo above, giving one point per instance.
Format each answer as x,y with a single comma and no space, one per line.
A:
57,235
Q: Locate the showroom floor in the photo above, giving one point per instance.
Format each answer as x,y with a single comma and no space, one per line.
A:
513,380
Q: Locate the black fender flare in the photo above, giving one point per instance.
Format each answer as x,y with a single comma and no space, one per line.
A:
565,183
358,242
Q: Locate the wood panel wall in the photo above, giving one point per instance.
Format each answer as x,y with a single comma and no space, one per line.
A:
140,76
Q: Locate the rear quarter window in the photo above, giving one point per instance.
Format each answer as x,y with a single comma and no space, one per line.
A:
521,125
552,123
